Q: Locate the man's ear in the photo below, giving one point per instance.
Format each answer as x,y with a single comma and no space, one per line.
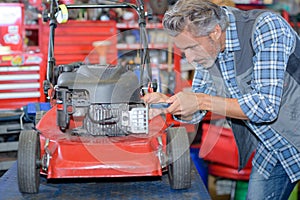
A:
216,33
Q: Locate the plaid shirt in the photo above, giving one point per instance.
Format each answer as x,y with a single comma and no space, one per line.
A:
273,43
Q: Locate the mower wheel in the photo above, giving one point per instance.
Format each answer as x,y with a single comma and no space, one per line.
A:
28,162
178,150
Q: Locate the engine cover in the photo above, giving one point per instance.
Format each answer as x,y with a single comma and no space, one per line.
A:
105,99
104,83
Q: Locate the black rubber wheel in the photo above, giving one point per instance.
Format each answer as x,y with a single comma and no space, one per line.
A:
178,150
28,162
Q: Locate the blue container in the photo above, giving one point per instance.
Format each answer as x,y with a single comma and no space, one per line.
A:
32,108
200,164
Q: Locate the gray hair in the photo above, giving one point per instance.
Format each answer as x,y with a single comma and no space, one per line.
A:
199,17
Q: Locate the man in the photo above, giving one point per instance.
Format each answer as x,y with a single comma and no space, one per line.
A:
247,69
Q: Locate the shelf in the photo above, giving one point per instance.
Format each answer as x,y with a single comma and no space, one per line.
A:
135,25
33,48
124,46
31,27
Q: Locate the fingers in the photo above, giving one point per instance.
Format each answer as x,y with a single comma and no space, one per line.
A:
172,99
183,103
154,97
174,102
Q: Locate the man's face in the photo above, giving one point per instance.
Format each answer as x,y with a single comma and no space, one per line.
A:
202,50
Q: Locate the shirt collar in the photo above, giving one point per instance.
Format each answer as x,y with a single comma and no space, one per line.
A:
232,42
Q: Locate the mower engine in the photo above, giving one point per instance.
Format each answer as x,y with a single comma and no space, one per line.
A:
102,100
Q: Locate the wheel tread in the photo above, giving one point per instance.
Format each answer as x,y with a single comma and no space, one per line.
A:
179,152
28,153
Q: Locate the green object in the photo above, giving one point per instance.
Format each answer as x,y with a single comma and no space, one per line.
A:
294,194
241,190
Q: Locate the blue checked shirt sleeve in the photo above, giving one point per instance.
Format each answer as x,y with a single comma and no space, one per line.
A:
202,83
272,43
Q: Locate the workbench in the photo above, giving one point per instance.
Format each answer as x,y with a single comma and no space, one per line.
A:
108,188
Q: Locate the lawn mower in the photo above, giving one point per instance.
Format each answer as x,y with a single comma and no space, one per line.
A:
99,126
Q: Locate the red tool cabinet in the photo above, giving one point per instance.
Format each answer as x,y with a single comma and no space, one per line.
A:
74,40
12,25
21,77
21,73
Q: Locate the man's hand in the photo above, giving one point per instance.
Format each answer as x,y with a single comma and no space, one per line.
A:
155,97
184,104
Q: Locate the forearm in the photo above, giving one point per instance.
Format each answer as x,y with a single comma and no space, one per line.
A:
228,107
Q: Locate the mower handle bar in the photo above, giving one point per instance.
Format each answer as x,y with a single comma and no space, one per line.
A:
144,78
